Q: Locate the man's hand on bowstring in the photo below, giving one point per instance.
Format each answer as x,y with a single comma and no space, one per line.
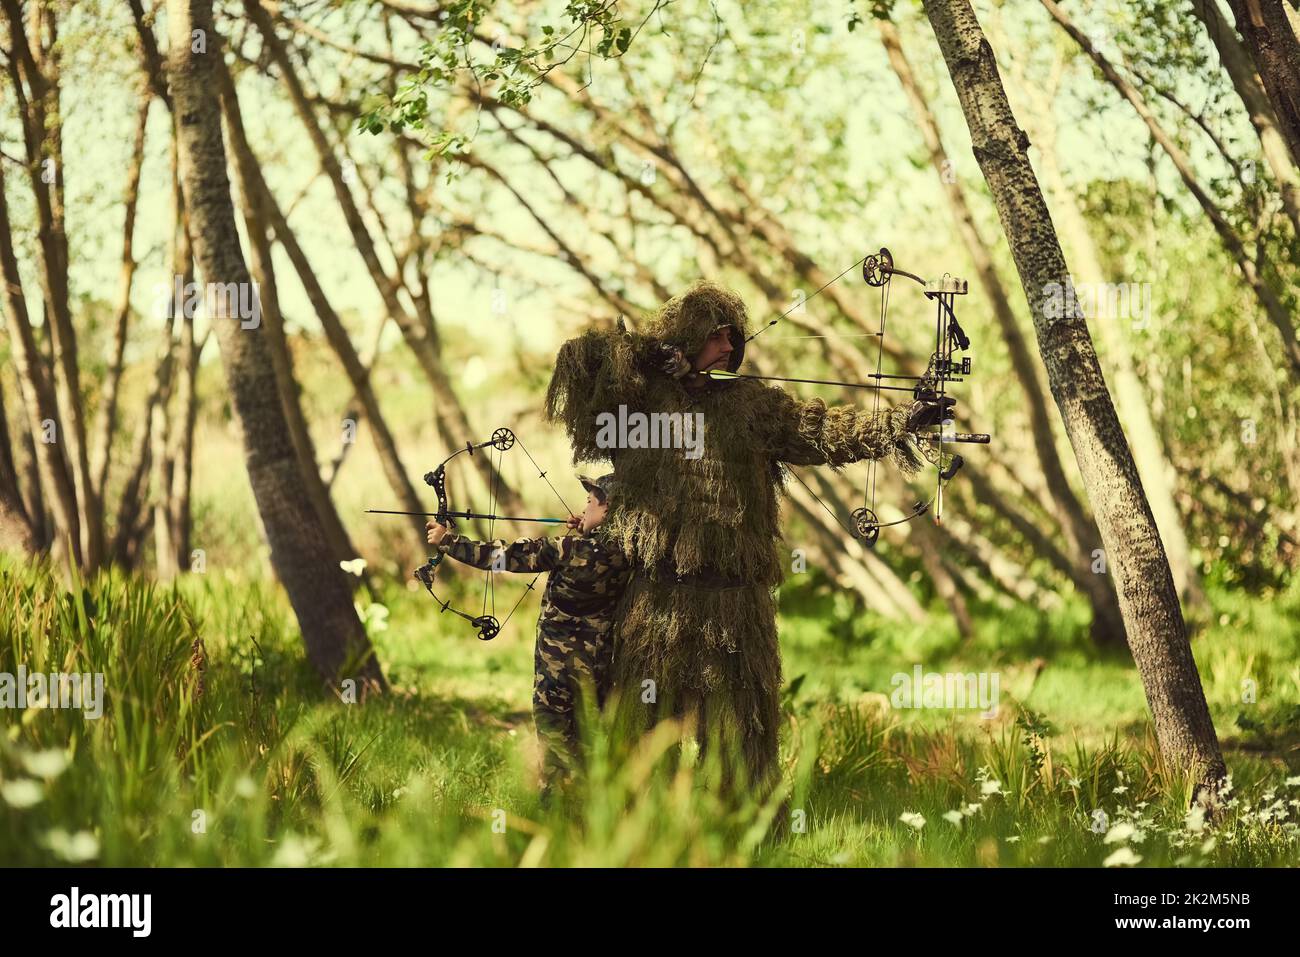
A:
670,360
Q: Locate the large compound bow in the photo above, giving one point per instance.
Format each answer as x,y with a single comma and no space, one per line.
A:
931,387
485,621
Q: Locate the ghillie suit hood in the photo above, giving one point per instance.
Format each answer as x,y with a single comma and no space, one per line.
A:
686,321
702,530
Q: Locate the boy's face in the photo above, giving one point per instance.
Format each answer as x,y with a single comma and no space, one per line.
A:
594,513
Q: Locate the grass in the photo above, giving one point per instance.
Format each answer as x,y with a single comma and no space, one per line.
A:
217,746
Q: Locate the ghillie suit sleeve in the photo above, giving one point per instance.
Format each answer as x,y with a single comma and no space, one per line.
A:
594,373
808,432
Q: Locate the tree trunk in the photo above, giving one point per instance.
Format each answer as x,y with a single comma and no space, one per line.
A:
1156,632
15,527
336,642
42,530
1271,39
187,408
161,480
127,544
38,396
166,553
113,380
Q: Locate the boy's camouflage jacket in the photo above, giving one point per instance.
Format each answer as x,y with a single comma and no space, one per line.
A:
587,577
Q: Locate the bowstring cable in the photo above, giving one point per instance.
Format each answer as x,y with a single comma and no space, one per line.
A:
942,351
542,474
493,486
870,488
817,498
806,300
533,584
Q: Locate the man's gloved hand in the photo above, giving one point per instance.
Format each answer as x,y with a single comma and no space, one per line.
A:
670,360
931,411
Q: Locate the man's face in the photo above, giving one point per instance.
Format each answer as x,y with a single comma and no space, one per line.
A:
716,352
594,513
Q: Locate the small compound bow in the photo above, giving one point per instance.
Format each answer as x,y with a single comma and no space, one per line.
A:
485,621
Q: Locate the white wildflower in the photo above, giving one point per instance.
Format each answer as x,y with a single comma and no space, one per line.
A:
75,848
1120,832
23,793
47,764
1124,857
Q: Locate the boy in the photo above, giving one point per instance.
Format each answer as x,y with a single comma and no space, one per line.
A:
588,574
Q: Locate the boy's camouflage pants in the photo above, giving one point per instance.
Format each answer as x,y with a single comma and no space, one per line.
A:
566,666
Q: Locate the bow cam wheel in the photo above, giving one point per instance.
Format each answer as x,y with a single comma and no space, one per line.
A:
502,439
488,627
877,269
866,527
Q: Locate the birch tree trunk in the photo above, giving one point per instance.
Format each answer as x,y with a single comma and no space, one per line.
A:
336,643
1157,634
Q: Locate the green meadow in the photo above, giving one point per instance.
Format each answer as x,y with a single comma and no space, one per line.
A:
218,746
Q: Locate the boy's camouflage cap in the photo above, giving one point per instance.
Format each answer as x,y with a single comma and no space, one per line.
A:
603,485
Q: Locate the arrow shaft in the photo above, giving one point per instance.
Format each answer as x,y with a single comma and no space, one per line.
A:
503,518
848,385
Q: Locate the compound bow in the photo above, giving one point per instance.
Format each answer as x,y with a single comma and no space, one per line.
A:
931,388
485,621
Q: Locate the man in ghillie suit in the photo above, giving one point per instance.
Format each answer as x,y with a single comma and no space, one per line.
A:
698,617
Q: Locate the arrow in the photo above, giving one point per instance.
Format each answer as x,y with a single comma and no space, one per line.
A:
503,518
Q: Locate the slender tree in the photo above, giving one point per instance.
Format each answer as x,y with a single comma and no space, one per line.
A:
336,642
1134,554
